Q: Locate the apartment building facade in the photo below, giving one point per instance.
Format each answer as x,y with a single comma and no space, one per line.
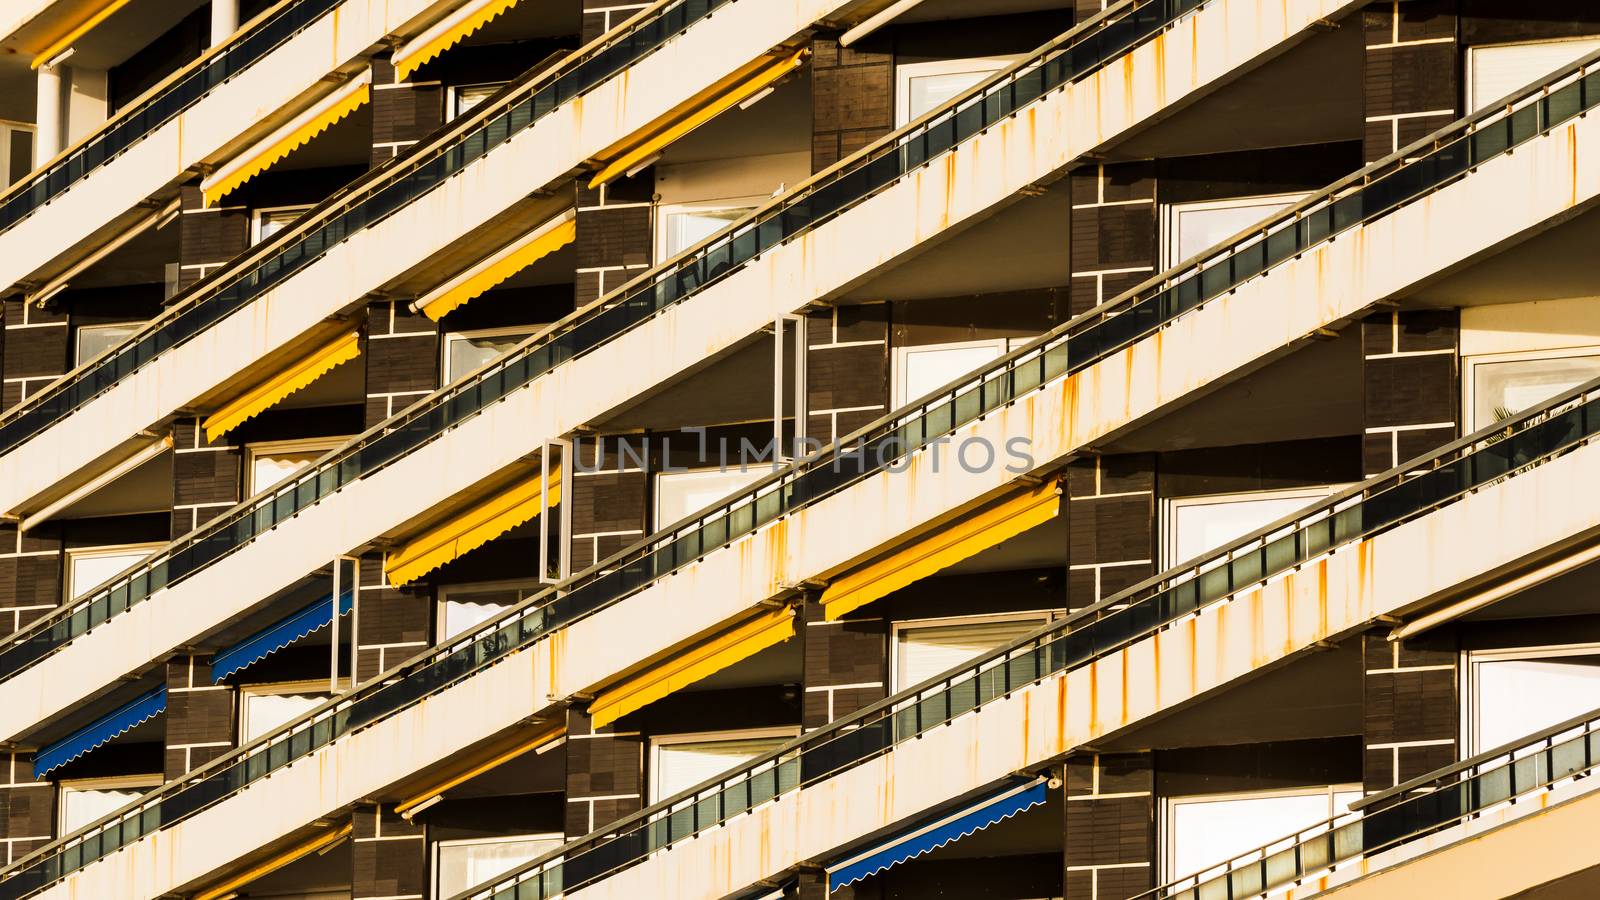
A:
741,448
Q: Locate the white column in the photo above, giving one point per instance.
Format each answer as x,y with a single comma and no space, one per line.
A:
224,20
50,129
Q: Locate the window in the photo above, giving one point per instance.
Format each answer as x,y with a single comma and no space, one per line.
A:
1203,831
926,648
1196,525
273,462
467,351
264,707
1493,72
16,152
88,800
679,762
88,569
467,863
94,340
1188,229
923,87
268,222
1503,384
1513,693
683,225
680,493
463,606
464,97
918,370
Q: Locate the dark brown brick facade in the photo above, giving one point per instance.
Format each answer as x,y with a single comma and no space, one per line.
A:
36,351
1113,240
847,370
1110,825
1411,376
200,716
605,775
1411,709
846,664
609,498
1111,525
396,623
388,855
207,478
600,16
27,808
207,238
615,236
1411,82
401,352
852,100
30,574
403,113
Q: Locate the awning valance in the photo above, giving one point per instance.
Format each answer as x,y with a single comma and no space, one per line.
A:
703,660
263,154
951,828
502,264
445,33
942,548
470,529
301,373
750,80
277,636
136,712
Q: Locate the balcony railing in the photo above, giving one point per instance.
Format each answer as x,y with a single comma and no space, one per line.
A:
177,93
1517,772
364,203
1406,492
1400,495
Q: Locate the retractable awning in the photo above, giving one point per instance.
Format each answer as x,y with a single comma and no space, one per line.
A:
299,851
942,548
500,265
298,131
445,33
701,661
972,819
136,712
635,151
277,636
80,18
470,529
299,374
467,768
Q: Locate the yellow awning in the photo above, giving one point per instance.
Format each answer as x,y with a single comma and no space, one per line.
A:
503,264
750,81
469,530
445,34
271,392
80,20
261,870
466,771
701,661
299,131
941,548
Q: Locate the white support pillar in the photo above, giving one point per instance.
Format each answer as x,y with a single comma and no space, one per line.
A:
50,131
224,20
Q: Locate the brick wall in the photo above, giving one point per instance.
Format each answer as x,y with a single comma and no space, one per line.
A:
30,574
1113,238
1411,77
36,350
605,774
847,369
852,99
846,664
1411,708
402,112
1111,526
600,16
388,855
207,478
1110,825
610,492
199,719
401,354
207,238
614,239
27,808
1411,376
396,623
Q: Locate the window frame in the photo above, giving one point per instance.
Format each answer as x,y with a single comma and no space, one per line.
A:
442,597
1170,213
133,327
258,217
76,553
1167,514
785,732
267,448
903,75
664,211
447,338
278,689
1469,375
755,473
8,129
897,368
99,783
439,845
1468,681
453,96
1471,62
1167,815
1041,616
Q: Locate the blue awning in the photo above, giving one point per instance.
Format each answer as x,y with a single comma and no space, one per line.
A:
949,829
277,636
142,709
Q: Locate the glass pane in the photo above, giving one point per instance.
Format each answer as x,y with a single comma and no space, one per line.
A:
1517,697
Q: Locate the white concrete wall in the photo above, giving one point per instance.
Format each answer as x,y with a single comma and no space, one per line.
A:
537,157
256,100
